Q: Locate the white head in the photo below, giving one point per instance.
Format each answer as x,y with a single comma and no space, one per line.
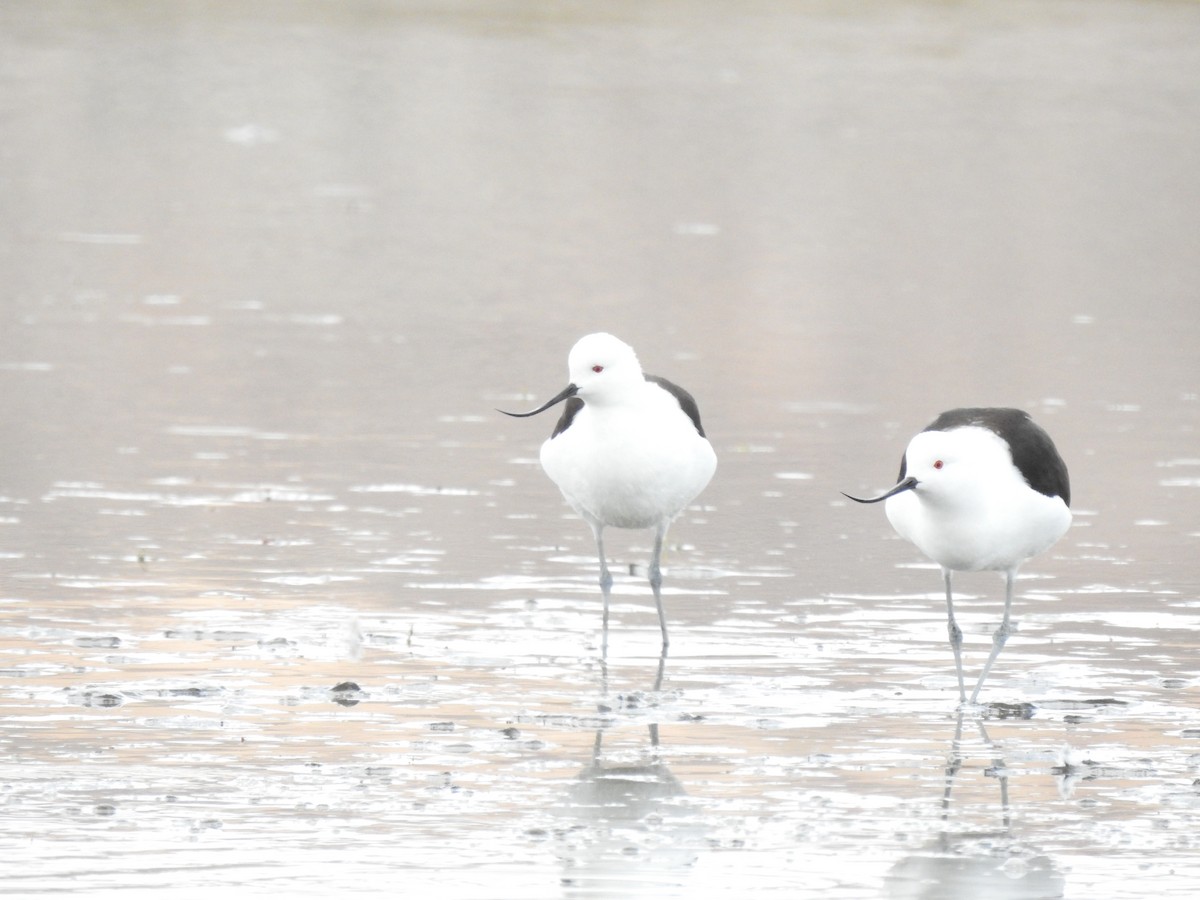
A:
952,467
602,367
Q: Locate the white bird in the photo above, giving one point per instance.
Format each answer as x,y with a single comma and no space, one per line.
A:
628,451
980,489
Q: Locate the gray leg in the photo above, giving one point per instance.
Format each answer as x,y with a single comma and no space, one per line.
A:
955,636
656,581
1001,634
605,582
658,680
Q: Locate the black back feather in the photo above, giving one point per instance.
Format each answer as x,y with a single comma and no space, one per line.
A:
686,402
1033,452
574,405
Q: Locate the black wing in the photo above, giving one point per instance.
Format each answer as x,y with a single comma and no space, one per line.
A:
1033,452
574,405
686,401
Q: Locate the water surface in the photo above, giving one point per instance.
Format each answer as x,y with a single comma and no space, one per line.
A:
287,609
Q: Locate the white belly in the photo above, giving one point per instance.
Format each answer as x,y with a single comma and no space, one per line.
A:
629,470
998,535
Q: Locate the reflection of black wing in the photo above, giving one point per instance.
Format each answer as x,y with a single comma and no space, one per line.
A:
1033,452
574,405
686,401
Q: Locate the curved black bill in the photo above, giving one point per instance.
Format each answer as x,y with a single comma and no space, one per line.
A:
900,487
569,391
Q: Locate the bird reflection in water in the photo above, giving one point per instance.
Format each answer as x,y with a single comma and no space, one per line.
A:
632,831
985,864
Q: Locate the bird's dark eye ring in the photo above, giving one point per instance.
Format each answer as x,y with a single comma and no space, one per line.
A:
597,369
938,464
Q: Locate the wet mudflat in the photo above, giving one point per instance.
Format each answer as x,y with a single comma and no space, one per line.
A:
287,610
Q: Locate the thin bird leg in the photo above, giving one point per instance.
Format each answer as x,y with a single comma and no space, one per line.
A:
658,680
656,581
605,582
956,636
1001,634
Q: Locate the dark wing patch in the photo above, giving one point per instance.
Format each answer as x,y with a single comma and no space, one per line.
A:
998,419
1033,452
574,405
686,401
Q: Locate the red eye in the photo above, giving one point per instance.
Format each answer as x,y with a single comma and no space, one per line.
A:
597,368
938,464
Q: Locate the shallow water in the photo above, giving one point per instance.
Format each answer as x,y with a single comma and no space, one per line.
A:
287,609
